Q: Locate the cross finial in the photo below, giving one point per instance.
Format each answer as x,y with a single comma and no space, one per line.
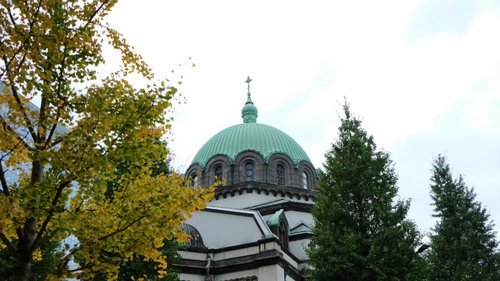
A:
249,111
248,84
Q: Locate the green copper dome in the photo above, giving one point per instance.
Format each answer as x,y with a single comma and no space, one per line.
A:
261,138
250,136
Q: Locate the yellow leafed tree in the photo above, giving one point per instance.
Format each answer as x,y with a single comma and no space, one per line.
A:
66,150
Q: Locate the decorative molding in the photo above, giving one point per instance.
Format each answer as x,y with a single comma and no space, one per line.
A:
253,261
287,206
248,278
300,236
249,187
264,258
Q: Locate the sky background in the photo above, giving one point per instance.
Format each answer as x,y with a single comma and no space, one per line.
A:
424,76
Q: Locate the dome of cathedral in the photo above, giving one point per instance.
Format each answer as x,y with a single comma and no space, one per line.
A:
263,139
250,136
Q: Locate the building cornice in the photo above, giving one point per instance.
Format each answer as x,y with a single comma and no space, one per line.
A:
244,262
222,192
264,258
286,206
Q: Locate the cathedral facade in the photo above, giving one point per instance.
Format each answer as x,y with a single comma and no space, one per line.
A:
258,225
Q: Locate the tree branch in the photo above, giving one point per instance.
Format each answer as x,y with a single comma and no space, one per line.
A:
20,104
95,14
66,260
41,119
9,244
11,16
6,127
49,236
58,93
3,180
30,33
7,63
20,233
118,230
51,213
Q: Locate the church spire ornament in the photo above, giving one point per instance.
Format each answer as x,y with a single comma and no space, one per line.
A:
249,112
249,98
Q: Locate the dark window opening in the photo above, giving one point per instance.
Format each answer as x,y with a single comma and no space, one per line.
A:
219,172
283,234
280,174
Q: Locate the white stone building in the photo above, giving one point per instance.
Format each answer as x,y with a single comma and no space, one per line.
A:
259,223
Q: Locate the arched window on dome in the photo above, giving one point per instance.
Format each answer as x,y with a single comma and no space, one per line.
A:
218,172
305,180
194,180
249,171
280,174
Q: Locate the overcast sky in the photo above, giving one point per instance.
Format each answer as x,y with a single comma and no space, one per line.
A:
424,76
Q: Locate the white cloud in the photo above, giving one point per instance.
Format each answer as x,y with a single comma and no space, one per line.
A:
305,57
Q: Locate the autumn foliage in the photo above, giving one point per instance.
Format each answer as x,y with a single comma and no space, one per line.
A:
57,157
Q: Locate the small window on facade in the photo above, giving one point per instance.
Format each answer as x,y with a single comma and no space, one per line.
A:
218,172
305,180
283,234
249,175
280,174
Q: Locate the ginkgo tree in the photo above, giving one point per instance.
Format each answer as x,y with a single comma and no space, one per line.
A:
66,149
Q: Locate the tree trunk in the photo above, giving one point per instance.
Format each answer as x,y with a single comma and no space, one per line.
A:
22,269
24,258
25,249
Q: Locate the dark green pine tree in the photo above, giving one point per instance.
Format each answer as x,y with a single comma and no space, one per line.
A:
361,231
463,245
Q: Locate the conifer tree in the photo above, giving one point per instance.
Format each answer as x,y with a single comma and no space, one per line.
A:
463,245
361,231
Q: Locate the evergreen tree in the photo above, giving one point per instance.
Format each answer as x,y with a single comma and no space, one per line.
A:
361,232
463,242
